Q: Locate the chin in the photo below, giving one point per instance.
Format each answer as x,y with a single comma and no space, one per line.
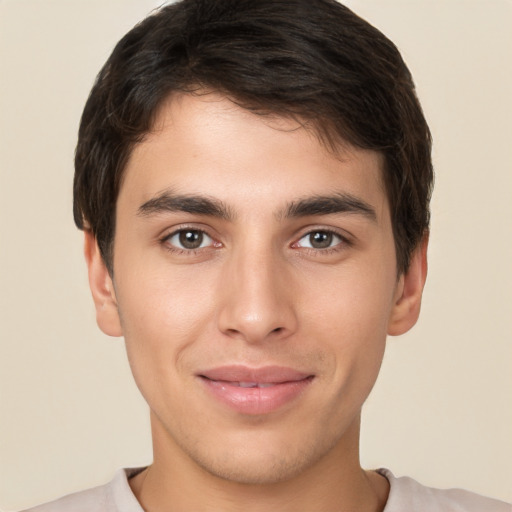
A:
251,472
252,465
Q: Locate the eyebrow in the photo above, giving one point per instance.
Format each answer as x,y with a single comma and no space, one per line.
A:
168,201
328,205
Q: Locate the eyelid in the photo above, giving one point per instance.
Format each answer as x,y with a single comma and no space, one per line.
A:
175,230
344,237
177,233
307,235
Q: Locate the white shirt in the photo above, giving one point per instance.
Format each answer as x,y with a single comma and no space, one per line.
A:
405,495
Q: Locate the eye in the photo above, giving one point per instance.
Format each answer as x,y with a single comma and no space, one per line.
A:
320,239
189,239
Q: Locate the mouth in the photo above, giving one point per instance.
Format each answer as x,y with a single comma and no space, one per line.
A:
253,384
255,391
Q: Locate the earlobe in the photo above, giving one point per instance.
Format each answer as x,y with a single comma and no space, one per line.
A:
102,288
407,305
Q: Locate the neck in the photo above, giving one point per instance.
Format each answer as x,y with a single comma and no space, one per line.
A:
336,482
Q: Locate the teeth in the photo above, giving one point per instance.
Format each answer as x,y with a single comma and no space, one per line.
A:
255,385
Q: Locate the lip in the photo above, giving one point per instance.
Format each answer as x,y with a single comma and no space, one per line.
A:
255,391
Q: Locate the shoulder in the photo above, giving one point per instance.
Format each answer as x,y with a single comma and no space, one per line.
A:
407,495
116,496
91,500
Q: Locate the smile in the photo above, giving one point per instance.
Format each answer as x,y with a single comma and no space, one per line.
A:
255,391
254,384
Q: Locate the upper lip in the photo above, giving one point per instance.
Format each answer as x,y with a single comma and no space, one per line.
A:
265,374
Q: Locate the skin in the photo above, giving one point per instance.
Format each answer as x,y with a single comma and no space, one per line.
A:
259,291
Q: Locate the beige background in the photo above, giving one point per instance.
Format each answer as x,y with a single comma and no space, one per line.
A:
69,412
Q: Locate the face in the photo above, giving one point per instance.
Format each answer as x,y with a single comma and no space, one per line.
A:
254,282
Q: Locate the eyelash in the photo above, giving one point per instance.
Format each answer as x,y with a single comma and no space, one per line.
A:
164,241
343,243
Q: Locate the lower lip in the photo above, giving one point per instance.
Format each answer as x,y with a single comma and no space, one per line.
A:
256,401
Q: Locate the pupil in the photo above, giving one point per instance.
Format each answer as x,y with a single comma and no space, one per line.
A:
191,239
321,239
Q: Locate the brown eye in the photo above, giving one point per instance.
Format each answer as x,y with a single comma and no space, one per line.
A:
189,239
320,240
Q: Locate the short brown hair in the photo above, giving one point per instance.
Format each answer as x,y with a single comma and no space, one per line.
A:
314,60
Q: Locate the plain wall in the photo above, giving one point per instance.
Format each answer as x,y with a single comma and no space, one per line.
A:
69,412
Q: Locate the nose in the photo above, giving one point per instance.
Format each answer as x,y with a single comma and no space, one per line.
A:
257,298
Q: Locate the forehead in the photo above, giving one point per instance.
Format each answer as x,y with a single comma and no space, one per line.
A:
207,144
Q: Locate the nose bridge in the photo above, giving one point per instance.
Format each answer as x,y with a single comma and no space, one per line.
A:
256,301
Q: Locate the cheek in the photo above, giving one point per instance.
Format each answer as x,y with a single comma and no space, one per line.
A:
162,315
351,317
164,299
353,303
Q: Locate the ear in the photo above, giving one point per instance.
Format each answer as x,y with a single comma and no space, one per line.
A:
407,301
102,288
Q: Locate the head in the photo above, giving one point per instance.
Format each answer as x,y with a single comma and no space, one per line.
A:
312,61
253,178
